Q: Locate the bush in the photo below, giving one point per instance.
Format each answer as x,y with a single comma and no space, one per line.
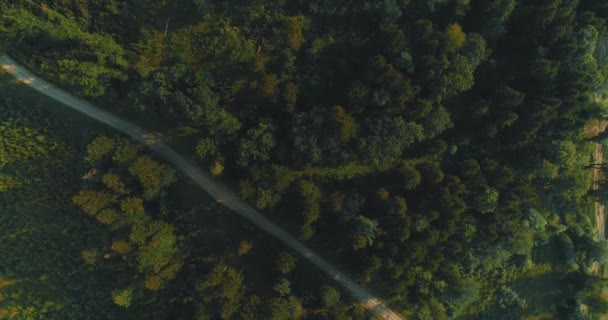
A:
123,297
285,263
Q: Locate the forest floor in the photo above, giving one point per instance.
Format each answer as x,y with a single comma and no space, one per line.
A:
216,189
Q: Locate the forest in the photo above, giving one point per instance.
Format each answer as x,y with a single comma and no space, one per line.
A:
443,152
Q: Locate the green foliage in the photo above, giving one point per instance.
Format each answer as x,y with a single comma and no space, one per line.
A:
437,123
88,77
566,154
286,308
285,263
90,71
459,76
294,29
455,35
158,246
91,201
365,232
204,6
107,216
398,222
20,144
282,287
151,175
306,232
411,177
132,206
346,124
266,198
290,96
7,183
121,247
522,241
123,297
257,144
206,148
330,296
433,310
494,16
112,181
150,50
89,257
153,249
508,298
125,152
387,138
217,168
269,86
99,148
220,43
223,285
487,200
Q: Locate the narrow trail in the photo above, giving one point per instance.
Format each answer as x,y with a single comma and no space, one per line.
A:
600,216
215,188
599,207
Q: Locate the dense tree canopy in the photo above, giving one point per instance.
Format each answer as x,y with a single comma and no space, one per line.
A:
440,150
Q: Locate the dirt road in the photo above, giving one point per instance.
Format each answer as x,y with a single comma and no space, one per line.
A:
600,216
215,188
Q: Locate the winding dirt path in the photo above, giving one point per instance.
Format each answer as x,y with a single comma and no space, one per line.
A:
215,188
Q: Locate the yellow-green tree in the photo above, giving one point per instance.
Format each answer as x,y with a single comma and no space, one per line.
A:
123,297
455,36
151,175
